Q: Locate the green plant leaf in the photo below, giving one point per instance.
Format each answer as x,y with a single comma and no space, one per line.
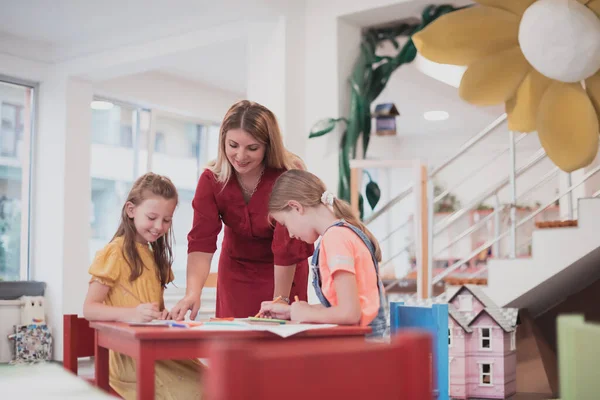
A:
361,207
373,194
322,127
370,75
344,166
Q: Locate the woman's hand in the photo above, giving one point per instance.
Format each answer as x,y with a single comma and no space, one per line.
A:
189,302
277,310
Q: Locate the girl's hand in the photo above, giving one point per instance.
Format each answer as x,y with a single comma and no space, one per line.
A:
165,314
300,311
269,309
146,312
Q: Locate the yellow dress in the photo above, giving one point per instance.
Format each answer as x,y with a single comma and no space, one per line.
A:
174,380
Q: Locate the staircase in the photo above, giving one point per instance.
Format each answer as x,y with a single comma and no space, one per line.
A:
564,261
563,256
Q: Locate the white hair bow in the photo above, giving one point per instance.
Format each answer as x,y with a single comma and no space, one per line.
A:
327,198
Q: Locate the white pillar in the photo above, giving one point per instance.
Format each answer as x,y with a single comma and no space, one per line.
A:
61,198
276,75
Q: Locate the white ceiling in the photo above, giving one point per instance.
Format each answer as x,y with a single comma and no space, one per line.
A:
74,28
71,29
222,65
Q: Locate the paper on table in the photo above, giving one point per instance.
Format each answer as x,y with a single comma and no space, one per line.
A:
284,331
154,322
288,330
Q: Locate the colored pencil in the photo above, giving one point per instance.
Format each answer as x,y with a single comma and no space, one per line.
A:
275,300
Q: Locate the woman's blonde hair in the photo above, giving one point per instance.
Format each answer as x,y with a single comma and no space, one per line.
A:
307,189
147,185
262,125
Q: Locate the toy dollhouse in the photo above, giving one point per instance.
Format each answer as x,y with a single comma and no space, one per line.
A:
482,346
482,353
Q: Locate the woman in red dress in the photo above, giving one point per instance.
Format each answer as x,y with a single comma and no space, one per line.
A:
259,260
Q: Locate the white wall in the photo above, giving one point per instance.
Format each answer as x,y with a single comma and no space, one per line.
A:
23,69
60,196
171,94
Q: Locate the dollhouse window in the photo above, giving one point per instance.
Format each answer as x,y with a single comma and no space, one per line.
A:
486,374
513,340
486,338
465,303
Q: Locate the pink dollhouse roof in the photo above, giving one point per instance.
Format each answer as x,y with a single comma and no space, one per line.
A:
460,319
506,318
497,316
477,293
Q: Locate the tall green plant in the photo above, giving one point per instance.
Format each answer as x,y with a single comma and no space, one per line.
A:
369,77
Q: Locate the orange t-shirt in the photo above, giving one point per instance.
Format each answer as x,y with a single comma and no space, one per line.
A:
343,250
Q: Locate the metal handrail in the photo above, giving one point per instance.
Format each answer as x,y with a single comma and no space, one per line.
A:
471,229
466,146
403,194
389,235
542,180
533,161
466,177
404,249
470,143
531,216
482,221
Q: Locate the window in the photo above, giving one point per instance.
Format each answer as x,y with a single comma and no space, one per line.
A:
449,337
159,143
513,340
465,303
116,161
182,157
11,129
16,105
123,149
126,138
486,374
486,338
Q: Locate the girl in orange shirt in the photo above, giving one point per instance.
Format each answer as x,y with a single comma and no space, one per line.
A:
345,263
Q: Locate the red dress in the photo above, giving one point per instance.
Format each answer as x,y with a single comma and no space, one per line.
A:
251,245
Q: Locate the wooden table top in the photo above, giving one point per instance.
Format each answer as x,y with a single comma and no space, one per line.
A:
167,333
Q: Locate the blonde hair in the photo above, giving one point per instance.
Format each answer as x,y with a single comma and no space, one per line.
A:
307,189
145,185
262,125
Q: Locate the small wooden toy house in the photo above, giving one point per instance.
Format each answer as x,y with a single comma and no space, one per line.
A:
482,346
481,356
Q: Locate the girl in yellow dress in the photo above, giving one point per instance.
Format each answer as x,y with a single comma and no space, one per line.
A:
128,279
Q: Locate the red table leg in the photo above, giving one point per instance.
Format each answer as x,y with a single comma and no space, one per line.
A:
145,373
101,366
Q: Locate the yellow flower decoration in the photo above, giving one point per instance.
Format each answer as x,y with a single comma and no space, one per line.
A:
539,57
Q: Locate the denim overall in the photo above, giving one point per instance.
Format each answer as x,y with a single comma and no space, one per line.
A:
379,325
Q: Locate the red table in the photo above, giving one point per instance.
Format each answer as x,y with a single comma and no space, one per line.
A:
149,344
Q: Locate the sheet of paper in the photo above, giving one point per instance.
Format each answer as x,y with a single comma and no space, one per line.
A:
285,330
288,330
154,322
